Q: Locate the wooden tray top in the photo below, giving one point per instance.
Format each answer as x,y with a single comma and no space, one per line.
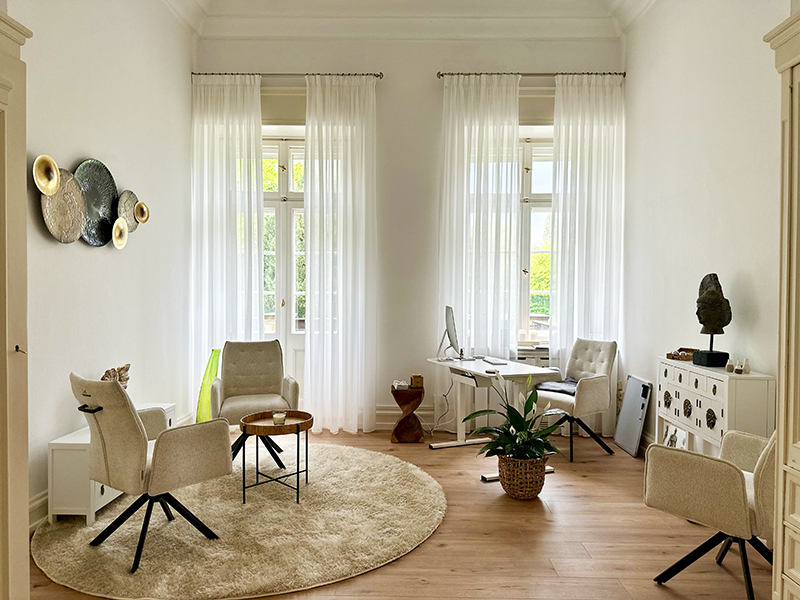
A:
262,424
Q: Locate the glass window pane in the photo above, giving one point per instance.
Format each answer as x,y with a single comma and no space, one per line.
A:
300,273
542,176
300,313
269,168
298,156
540,230
269,313
269,230
269,272
299,232
540,272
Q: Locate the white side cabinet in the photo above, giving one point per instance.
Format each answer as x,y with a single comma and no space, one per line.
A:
698,405
69,489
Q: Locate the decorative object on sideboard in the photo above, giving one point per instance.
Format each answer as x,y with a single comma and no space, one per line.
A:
739,368
64,210
101,201
714,313
86,204
416,381
46,174
682,354
730,366
120,374
746,366
125,209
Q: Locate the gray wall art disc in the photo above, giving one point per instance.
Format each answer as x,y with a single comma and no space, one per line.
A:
65,211
127,200
101,201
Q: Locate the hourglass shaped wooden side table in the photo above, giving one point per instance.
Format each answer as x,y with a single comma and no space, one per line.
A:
408,428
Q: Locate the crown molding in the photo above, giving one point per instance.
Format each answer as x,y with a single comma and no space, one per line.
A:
192,13
407,28
626,12
13,30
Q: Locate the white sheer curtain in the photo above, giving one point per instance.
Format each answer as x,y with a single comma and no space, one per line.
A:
479,211
227,214
340,367
588,197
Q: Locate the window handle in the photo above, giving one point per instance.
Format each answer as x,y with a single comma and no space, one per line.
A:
282,167
526,271
527,169
283,302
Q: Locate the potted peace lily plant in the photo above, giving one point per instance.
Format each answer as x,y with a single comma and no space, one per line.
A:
520,444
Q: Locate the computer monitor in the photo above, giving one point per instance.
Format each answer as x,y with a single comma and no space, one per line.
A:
450,327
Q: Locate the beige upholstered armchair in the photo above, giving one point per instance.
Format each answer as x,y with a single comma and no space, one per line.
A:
252,381
136,454
732,494
586,389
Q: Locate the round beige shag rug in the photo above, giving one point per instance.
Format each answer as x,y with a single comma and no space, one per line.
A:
359,511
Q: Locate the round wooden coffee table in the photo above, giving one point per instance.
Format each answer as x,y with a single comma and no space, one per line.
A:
263,426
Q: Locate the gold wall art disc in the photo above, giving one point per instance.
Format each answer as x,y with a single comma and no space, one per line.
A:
119,235
64,211
125,209
141,212
46,174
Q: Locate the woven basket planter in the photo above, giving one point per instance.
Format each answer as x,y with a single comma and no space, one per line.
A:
522,479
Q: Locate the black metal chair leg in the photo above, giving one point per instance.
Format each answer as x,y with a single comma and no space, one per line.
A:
143,535
690,558
723,550
571,433
189,516
594,436
165,508
274,444
748,583
238,444
761,548
265,440
126,514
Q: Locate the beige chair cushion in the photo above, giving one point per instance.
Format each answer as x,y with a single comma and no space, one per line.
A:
751,499
251,368
556,400
236,407
591,357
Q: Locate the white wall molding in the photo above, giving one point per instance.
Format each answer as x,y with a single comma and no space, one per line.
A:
193,13
37,510
407,28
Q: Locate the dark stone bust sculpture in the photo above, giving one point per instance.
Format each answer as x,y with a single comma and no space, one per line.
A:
713,309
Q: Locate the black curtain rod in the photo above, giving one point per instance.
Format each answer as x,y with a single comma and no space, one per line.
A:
378,75
440,74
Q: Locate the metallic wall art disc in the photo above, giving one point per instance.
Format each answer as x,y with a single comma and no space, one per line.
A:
101,201
46,174
120,233
65,211
141,212
127,202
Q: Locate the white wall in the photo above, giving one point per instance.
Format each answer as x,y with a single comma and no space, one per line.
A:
108,80
409,126
703,152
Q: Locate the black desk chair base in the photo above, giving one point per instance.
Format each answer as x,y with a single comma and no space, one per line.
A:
726,542
165,501
570,419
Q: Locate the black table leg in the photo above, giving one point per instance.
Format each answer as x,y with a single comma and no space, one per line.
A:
238,445
306,456
298,463
266,441
244,471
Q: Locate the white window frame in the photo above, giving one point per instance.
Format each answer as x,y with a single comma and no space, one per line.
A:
529,203
286,203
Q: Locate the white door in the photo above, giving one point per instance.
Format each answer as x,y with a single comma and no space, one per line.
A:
284,252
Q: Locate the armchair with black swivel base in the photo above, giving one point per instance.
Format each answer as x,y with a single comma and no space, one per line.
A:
586,390
136,454
732,494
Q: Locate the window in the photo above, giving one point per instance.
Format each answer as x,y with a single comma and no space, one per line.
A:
284,238
535,240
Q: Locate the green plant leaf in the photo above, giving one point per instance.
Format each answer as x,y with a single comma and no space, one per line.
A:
543,433
479,413
485,430
517,420
532,400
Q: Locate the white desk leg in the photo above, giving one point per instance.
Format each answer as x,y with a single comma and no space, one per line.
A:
461,427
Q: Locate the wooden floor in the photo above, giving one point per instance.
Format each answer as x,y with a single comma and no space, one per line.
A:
588,536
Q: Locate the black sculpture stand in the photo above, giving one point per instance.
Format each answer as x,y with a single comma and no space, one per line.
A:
710,357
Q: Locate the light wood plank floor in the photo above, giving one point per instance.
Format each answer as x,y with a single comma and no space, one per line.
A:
588,536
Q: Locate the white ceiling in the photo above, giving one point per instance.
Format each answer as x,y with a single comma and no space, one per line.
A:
409,19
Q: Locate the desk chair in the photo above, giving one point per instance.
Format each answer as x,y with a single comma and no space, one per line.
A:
586,390
732,494
136,454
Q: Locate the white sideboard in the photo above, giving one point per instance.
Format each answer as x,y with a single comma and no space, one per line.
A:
702,403
69,489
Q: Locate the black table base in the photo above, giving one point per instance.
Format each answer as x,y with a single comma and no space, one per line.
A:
274,450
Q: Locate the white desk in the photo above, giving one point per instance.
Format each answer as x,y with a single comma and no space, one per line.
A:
471,375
